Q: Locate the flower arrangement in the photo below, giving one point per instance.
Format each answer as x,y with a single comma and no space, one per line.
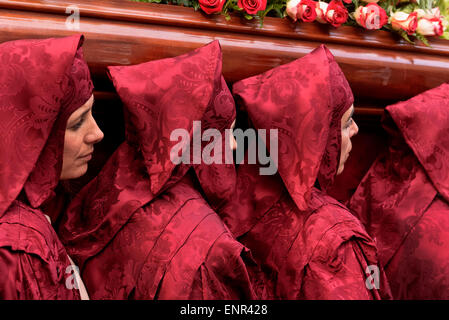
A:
416,18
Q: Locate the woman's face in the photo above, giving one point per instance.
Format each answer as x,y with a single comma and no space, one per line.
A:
348,129
81,133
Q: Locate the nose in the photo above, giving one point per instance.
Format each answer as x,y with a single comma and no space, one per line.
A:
95,134
354,129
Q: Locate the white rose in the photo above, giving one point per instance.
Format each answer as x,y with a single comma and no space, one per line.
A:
321,10
292,8
433,27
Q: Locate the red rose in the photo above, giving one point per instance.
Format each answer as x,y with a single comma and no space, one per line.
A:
252,6
336,13
307,10
371,17
211,6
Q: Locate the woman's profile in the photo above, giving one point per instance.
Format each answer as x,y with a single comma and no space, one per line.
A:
48,135
307,245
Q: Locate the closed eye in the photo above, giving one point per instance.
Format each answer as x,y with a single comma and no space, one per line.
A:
77,125
80,121
349,122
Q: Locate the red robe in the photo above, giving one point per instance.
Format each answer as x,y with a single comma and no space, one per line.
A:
141,229
306,244
403,200
42,82
33,262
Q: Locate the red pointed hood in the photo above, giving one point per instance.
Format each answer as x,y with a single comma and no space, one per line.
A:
424,123
162,96
42,82
304,100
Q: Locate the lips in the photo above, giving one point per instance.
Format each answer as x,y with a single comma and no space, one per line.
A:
86,157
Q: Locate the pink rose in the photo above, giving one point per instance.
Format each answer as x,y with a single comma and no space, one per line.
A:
336,13
252,6
321,10
430,27
211,6
371,16
405,21
306,10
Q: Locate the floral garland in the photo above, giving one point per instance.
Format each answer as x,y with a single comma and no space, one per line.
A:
417,18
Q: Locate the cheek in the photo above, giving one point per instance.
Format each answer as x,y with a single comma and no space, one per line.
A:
72,145
345,141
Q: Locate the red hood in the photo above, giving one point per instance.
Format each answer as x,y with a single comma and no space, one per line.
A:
304,100
41,83
424,123
168,94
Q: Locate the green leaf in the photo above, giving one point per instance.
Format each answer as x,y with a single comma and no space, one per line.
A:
226,6
423,39
263,14
404,35
425,4
444,7
388,4
408,8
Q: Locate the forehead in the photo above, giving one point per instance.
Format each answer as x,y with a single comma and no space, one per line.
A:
348,113
78,112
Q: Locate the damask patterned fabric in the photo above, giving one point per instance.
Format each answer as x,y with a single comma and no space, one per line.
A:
42,82
142,229
218,180
403,200
306,244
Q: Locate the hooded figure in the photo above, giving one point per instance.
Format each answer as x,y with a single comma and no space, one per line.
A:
44,84
404,198
142,229
306,244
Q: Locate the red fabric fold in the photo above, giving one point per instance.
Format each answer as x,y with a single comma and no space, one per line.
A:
218,180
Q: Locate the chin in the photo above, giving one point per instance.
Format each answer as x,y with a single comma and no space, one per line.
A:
75,173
